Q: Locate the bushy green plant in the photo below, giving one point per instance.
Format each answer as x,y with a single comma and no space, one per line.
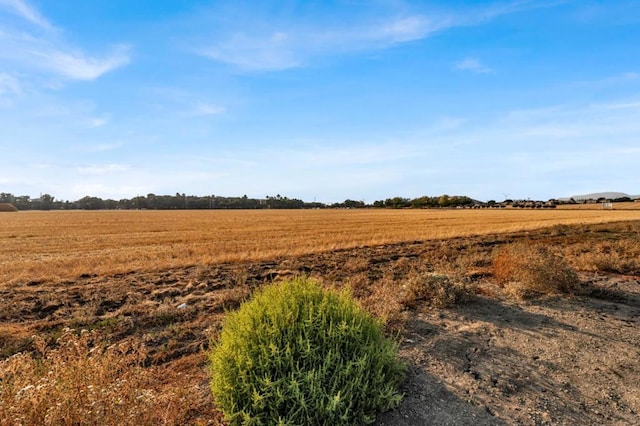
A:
298,354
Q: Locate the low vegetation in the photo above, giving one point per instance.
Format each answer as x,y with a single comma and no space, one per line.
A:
298,354
82,380
434,290
526,270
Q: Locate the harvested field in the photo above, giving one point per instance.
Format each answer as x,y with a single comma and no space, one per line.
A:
40,246
476,354
627,205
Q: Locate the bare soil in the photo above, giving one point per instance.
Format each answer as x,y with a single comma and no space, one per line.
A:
550,361
494,360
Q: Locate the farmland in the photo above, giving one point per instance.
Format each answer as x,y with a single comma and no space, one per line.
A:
158,284
39,246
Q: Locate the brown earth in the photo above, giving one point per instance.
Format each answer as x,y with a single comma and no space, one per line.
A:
493,360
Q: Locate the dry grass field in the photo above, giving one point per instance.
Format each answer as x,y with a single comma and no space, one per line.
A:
524,317
40,246
629,205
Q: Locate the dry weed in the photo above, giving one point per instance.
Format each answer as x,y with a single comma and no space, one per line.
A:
526,270
621,257
435,290
391,299
84,381
385,303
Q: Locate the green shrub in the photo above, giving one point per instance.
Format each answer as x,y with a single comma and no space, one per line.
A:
297,354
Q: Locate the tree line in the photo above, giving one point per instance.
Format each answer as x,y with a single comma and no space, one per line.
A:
194,202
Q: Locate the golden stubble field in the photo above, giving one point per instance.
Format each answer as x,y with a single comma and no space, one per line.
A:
37,246
106,317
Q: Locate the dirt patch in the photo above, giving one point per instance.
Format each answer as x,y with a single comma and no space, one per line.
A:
552,361
490,360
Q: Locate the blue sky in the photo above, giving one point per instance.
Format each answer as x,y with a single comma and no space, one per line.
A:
322,100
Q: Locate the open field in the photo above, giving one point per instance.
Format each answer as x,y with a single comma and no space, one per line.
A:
629,205
155,286
39,246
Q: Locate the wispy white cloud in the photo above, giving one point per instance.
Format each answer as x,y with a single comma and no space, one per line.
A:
42,166
321,156
204,109
277,45
273,52
403,29
25,11
98,122
619,105
185,103
110,190
34,46
103,147
79,66
447,123
102,169
473,65
616,79
286,49
9,86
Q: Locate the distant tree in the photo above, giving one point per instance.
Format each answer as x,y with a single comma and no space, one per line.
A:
421,202
621,200
91,203
46,201
6,197
443,201
352,204
22,202
397,202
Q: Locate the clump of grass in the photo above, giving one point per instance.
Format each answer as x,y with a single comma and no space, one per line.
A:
391,298
434,290
85,381
298,354
622,257
525,270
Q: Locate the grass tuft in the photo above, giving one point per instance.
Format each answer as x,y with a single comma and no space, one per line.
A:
525,270
83,381
435,290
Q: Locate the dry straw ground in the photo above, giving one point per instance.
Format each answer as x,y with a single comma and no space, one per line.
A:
627,205
38,246
151,289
